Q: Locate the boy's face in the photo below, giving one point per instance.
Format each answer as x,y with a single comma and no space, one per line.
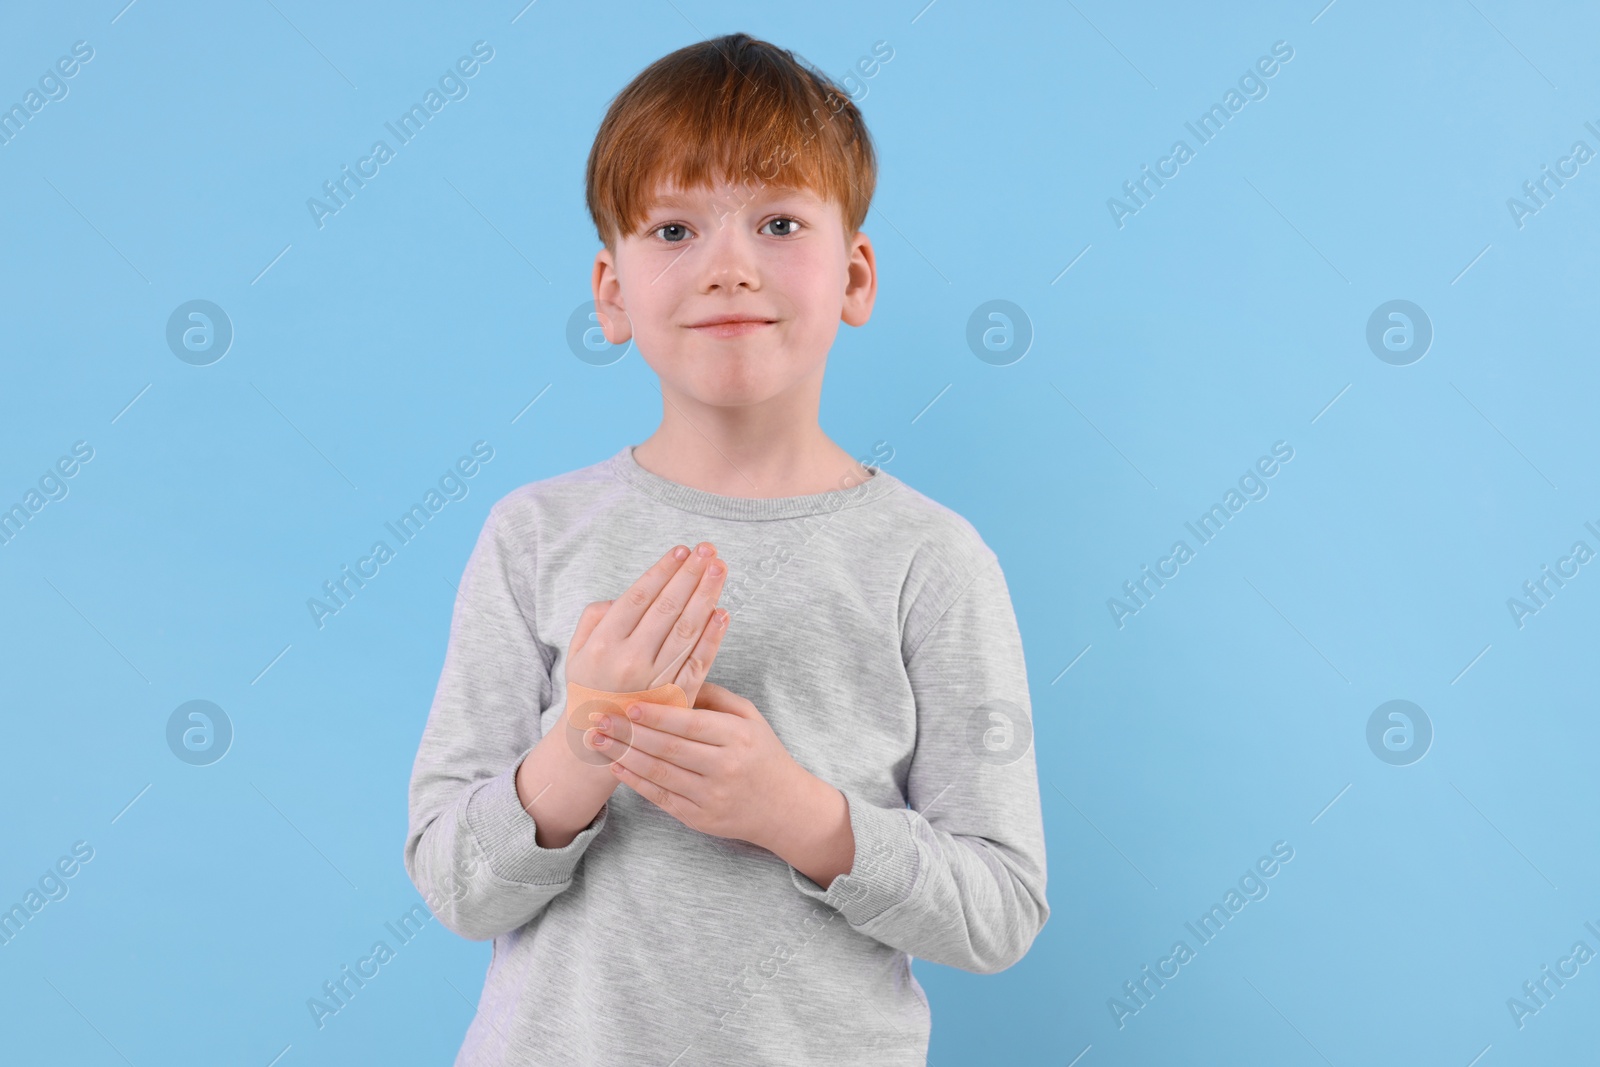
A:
755,252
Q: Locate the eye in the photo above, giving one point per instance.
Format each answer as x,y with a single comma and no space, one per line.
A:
672,226
792,223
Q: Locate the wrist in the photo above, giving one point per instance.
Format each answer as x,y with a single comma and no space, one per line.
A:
810,816
560,793
578,765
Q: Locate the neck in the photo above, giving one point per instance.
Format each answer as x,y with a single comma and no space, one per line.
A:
753,451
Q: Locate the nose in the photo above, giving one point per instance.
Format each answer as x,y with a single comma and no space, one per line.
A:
729,260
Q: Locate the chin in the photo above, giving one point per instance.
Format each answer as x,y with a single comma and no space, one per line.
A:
733,379
725,394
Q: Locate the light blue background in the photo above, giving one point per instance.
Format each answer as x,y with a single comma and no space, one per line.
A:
1226,315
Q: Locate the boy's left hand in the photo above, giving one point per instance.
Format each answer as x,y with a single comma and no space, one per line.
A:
718,768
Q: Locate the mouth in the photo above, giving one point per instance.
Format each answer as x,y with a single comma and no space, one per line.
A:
730,325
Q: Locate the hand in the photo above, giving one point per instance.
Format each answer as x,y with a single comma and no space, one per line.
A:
718,769
662,629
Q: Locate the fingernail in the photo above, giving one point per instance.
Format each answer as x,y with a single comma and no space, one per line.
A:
680,553
601,740
634,711
604,722
716,569
705,549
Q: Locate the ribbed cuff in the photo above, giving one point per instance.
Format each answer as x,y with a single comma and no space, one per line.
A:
883,872
505,834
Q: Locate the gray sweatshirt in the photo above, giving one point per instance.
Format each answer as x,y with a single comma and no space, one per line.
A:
873,629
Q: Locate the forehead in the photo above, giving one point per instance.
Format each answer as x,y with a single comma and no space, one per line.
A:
668,195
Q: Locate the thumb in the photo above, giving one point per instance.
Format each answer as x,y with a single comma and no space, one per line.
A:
587,622
717,698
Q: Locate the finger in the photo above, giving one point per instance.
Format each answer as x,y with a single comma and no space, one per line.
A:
587,622
627,609
669,779
651,630
671,748
691,724
716,698
683,643
691,675
581,742
658,795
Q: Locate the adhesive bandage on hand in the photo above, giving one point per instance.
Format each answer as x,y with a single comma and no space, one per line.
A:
583,702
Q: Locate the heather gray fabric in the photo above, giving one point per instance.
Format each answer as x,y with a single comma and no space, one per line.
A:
874,630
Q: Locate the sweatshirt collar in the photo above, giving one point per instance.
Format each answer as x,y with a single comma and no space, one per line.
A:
628,470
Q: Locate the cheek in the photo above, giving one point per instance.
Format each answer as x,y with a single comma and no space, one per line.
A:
814,285
652,309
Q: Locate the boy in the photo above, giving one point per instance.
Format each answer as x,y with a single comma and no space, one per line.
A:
744,879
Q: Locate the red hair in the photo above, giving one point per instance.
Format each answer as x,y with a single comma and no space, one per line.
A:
730,109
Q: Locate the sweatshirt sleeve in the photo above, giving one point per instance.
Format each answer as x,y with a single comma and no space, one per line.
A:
470,849
958,877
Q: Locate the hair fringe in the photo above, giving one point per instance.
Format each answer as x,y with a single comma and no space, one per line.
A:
728,109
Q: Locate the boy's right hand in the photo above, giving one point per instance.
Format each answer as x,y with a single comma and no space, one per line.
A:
660,630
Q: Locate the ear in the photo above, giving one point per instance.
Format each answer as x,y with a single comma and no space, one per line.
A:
861,281
608,305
